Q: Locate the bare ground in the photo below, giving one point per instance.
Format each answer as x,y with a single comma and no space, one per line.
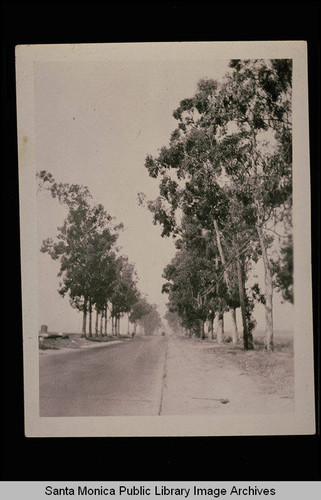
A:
203,377
273,372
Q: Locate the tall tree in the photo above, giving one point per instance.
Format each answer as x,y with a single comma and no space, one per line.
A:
255,106
174,321
189,275
84,247
151,321
139,310
125,293
233,141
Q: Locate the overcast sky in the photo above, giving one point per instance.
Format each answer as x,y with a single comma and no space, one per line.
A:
95,123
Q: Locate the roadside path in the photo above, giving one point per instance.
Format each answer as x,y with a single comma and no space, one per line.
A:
197,382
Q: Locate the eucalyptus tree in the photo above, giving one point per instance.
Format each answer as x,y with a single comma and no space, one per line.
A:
84,247
254,110
103,275
151,321
182,290
146,315
192,181
125,293
173,320
139,309
232,143
189,274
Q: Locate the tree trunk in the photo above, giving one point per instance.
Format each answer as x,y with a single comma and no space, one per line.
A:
202,329
235,333
219,326
210,327
101,322
84,319
96,323
118,325
247,340
222,256
200,326
105,326
90,319
268,292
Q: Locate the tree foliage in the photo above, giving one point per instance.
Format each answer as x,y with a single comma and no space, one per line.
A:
91,273
228,167
146,315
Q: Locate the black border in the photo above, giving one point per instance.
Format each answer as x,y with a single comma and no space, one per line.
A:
212,458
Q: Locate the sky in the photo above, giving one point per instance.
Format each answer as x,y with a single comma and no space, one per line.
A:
96,121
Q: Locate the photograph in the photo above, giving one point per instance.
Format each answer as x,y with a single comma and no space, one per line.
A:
165,239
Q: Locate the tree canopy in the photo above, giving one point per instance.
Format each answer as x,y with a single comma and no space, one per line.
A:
228,168
93,274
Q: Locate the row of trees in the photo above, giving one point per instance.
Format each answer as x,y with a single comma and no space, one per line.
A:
225,193
93,274
146,315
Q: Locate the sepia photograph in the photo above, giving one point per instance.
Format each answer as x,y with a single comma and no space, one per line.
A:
165,239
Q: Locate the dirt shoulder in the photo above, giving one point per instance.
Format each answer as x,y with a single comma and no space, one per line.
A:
273,372
207,378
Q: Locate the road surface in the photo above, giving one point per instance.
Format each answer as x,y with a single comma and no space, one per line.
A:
151,376
108,380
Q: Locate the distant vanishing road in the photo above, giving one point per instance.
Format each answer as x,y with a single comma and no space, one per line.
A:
108,380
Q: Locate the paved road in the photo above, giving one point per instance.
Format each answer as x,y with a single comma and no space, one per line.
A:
122,379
